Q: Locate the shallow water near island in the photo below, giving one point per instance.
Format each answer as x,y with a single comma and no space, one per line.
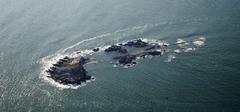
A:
204,80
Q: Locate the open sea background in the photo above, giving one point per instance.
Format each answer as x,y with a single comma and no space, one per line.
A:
207,80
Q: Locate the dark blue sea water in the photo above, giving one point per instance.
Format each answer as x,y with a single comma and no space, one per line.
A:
206,80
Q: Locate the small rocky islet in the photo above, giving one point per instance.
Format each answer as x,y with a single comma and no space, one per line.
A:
71,70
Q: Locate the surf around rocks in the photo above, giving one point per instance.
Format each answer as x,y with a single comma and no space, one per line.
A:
70,70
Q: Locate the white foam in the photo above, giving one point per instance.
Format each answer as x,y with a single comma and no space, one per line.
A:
177,51
86,52
138,58
155,41
198,43
170,58
188,49
202,38
86,40
166,44
180,41
103,48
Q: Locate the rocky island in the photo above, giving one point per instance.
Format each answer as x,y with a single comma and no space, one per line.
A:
71,70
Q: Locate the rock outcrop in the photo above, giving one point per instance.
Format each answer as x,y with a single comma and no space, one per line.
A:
69,71
124,60
116,48
136,43
129,59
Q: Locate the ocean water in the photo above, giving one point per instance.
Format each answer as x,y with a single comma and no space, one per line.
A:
206,80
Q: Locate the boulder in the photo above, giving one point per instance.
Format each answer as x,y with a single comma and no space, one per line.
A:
134,63
113,48
136,43
116,48
96,49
